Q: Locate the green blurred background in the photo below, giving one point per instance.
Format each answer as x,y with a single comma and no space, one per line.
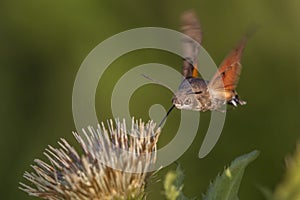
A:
43,43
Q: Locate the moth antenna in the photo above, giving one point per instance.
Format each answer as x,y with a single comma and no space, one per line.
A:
252,30
157,81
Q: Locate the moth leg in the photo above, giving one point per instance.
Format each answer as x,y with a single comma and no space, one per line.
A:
236,100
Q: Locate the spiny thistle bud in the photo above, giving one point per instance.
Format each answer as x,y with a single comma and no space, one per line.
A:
115,164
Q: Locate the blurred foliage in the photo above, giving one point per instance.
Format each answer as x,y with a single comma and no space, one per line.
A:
289,188
43,43
173,185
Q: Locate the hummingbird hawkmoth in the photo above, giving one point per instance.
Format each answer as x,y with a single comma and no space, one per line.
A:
197,94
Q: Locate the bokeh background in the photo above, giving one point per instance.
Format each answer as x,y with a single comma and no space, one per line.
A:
43,43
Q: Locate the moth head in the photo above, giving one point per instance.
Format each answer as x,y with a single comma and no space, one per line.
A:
186,100
190,91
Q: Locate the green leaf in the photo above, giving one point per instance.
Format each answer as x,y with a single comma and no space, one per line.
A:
226,186
289,188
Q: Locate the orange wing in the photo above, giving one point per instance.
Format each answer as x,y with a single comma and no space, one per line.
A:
228,74
190,27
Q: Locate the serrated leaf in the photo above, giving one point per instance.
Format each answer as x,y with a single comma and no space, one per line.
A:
226,186
290,186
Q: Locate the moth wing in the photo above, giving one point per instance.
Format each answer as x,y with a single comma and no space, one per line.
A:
190,26
226,78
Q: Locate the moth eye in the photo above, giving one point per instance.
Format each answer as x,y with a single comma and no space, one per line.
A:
187,102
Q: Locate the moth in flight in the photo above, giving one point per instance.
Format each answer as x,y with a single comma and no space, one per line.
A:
197,94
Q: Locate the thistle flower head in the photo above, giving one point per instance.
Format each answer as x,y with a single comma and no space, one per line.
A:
115,164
